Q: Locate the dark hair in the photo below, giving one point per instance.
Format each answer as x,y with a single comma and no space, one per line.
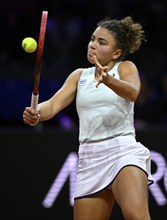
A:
128,35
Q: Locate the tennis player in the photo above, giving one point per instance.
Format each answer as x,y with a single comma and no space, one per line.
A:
113,166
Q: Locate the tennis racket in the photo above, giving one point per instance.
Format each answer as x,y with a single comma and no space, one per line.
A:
41,40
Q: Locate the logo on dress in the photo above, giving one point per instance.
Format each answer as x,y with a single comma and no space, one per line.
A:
82,82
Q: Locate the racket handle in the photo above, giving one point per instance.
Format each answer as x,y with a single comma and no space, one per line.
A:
34,101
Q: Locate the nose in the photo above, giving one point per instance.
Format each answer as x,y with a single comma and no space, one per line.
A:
92,44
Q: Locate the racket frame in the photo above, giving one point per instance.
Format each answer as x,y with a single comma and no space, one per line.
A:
38,63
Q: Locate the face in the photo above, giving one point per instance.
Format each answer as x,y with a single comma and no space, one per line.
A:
103,46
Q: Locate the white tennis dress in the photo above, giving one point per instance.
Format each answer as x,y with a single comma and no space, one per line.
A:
106,135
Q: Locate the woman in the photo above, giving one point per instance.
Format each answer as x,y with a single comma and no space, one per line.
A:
112,166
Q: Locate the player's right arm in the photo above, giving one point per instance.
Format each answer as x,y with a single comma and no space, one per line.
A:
60,100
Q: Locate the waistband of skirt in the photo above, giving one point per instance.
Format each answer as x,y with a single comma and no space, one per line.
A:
116,140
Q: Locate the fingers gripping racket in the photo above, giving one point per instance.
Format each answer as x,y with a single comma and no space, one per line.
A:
41,40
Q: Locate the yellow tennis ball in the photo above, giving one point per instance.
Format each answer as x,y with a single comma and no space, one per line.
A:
29,44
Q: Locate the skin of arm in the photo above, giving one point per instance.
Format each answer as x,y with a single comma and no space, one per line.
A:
61,99
128,86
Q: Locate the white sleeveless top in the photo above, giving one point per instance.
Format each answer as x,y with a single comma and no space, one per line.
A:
102,113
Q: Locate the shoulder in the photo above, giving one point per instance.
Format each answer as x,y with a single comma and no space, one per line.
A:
77,72
127,64
75,75
127,67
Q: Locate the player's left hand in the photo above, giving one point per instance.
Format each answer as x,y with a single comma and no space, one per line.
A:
101,72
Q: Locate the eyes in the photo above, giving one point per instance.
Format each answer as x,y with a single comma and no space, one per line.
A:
101,41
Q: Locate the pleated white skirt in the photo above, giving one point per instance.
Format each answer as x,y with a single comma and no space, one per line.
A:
100,162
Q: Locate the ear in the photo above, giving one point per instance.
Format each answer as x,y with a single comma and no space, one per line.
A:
117,54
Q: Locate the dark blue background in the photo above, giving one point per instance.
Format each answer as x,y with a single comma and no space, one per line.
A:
70,25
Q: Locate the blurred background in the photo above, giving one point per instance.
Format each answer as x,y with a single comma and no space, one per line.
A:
34,157
70,25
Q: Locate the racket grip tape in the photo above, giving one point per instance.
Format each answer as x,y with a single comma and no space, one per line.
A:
34,101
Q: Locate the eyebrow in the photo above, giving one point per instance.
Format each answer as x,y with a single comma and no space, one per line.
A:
100,38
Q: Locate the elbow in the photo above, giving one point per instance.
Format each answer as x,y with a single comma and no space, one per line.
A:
133,96
134,92
132,99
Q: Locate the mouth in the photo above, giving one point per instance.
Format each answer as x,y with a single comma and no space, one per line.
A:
90,55
91,58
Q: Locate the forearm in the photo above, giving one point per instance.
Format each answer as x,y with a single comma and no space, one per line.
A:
45,110
122,88
54,105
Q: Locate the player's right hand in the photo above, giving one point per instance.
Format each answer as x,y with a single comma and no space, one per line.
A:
30,116
101,72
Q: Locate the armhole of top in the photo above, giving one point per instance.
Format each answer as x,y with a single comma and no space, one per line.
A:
86,71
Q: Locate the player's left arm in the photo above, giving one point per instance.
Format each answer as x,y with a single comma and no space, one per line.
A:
62,98
129,85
